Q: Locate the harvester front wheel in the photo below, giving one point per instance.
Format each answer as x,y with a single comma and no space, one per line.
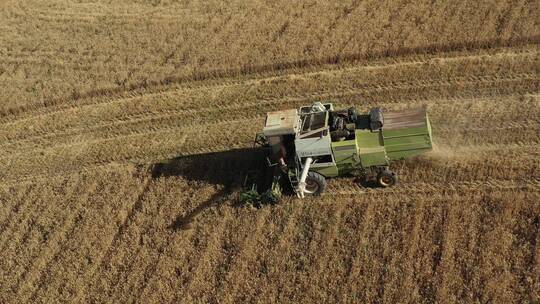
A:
386,178
315,184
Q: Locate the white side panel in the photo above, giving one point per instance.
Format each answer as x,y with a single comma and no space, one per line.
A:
313,146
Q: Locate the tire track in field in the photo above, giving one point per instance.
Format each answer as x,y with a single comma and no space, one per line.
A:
359,89
513,142
331,237
140,282
182,252
441,187
135,208
204,255
68,15
30,250
151,270
34,271
80,248
355,268
157,120
112,95
18,203
37,178
120,280
282,248
322,233
187,130
49,260
125,157
183,136
363,88
24,217
168,117
239,261
132,212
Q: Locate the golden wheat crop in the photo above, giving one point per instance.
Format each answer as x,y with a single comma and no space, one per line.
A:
95,95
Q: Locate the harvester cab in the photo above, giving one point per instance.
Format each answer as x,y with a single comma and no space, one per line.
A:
304,147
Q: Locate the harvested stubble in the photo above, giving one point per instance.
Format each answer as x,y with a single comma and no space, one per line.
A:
94,94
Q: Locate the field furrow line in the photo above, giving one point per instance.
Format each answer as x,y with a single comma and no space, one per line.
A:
356,268
280,251
80,250
331,236
245,255
33,243
38,283
93,17
114,95
415,235
182,253
61,175
530,147
15,204
363,88
526,49
507,126
178,117
134,209
152,269
168,118
133,133
479,148
109,251
42,260
157,122
189,114
19,225
447,187
205,256
42,178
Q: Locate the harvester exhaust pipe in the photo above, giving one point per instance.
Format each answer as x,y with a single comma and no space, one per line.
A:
303,176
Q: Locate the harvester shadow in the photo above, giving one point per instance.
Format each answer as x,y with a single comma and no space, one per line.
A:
183,222
225,170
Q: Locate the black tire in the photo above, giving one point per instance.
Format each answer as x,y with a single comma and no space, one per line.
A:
387,178
315,184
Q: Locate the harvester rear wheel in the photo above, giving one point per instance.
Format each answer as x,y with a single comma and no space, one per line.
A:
386,178
315,184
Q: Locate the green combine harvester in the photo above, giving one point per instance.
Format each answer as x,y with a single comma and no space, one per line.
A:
302,148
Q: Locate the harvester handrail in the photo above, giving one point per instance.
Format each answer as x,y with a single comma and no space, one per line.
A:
313,132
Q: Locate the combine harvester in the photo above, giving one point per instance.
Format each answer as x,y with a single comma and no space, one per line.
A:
302,148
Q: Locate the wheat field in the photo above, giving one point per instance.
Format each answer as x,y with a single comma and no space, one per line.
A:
95,95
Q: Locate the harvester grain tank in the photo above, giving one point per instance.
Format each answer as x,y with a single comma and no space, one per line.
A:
305,147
